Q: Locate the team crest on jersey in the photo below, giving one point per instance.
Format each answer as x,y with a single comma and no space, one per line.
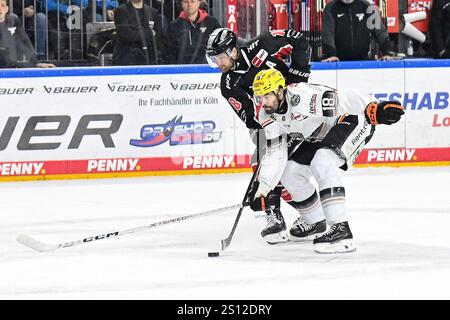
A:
295,100
202,29
259,58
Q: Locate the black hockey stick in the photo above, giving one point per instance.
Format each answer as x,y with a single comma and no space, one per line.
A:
226,242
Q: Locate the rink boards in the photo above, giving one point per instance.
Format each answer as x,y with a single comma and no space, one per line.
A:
103,122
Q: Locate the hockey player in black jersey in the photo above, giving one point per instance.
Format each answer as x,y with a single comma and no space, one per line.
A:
239,67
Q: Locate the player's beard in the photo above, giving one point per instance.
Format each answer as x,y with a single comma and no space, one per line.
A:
227,67
272,110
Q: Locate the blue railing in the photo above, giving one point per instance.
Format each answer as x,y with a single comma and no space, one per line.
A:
174,69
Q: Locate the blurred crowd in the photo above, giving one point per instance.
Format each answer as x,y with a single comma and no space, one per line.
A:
45,33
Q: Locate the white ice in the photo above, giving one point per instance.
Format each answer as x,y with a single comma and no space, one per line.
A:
399,217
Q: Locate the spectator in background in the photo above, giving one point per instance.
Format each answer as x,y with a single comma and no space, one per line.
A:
67,24
347,30
187,35
15,47
111,5
170,9
26,11
440,28
139,34
60,25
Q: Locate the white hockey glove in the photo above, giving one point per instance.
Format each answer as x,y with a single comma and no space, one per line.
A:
258,196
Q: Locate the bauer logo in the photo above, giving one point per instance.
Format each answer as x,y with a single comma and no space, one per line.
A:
75,89
195,86
64,129
15,91
133,88
177,132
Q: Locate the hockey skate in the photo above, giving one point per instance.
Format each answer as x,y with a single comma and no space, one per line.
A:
275,231
301,231
338,239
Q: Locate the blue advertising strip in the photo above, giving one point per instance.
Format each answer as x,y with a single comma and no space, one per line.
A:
189,69
427,63
348,65
408,63
104,71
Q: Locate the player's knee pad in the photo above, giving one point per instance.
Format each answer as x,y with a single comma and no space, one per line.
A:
296,180
325,168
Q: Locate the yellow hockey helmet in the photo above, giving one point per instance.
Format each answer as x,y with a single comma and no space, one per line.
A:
267,81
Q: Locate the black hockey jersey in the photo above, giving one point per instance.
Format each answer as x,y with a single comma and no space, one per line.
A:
269,50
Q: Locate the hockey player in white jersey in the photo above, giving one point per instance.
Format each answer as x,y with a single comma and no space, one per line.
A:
313,131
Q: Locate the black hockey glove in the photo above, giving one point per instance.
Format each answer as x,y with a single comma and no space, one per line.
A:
297,74
386,112
260,196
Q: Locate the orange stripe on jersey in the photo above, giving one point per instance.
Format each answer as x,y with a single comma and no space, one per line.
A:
342,118
391,105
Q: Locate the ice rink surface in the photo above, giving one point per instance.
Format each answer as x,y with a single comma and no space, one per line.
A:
400,219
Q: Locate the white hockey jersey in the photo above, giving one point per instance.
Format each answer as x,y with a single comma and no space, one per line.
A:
312,110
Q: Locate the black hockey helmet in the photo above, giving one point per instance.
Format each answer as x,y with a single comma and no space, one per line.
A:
220,40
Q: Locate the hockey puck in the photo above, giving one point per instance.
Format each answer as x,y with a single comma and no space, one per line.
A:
213,254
